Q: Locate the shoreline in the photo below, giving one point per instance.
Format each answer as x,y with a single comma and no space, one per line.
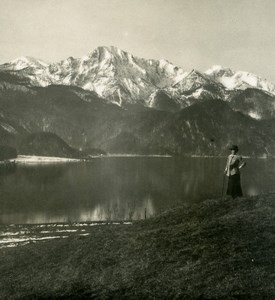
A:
33,159
19,235
29,159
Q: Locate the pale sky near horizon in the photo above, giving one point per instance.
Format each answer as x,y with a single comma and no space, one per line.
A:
192,34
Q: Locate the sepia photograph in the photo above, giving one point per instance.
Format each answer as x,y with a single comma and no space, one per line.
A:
137,149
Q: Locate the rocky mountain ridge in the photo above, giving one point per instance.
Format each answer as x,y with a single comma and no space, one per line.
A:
123,79
121,104
110,72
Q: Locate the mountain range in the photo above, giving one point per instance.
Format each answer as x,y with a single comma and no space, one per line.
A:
114,101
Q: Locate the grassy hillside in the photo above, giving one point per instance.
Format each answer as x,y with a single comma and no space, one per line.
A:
220,249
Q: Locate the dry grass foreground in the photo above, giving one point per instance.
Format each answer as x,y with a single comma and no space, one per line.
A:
220,249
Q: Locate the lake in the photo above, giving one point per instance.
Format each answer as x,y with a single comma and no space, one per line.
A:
118,188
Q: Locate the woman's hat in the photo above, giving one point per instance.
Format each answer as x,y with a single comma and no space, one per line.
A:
234,147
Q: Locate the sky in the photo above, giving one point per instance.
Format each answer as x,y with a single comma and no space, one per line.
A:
192,34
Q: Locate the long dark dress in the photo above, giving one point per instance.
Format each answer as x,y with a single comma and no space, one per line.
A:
234,188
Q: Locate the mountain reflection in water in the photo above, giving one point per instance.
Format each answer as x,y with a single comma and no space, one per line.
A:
117,188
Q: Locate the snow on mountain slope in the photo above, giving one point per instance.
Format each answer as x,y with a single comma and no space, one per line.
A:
239,80
193,80
192,87
110,72
23,63
121,78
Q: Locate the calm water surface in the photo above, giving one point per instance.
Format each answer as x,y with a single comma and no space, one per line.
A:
118,188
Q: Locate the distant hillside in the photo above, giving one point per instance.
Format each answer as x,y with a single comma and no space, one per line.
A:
46,144
75,115
253,102
205,128
7,152
89,152
85,121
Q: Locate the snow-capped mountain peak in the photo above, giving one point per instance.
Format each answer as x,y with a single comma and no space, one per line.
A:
239,79
218,71
26,62
111,72
192,80
123,78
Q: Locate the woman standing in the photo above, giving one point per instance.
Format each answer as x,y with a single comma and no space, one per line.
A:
232,170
